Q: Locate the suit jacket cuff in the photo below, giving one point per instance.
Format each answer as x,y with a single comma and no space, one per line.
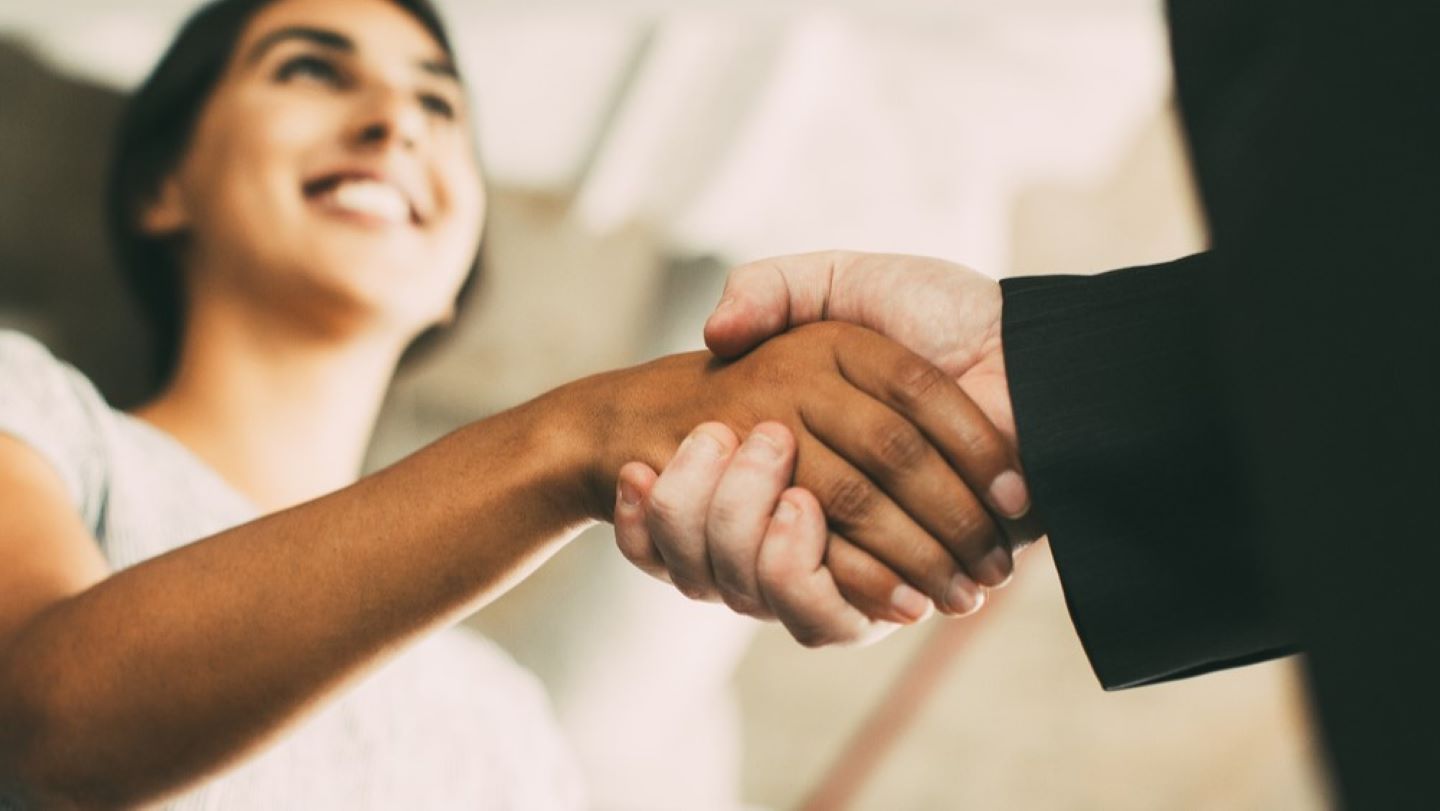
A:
1125,448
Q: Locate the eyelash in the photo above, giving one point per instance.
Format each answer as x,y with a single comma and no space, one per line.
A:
313,66
324,71
437,105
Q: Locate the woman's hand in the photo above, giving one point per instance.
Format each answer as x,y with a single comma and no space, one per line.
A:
889,446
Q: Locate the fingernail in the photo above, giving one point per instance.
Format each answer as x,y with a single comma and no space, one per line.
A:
629,494
702,443
785,512
964,596
761,447
1009,495
909,602
994,569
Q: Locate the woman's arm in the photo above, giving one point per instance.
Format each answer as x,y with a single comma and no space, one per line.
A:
159,675
130,688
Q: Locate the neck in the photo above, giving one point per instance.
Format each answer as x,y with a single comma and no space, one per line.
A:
284,417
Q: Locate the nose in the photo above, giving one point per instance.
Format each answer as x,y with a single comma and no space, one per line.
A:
387,118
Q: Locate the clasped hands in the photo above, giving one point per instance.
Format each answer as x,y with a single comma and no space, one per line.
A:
865,508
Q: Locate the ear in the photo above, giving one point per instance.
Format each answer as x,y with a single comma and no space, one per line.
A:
165,214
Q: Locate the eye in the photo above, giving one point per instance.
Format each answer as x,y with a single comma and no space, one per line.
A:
438,105
310,67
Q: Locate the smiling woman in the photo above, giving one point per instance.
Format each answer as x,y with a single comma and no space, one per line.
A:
198,597
305,78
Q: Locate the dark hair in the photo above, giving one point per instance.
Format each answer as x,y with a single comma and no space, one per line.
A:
154,132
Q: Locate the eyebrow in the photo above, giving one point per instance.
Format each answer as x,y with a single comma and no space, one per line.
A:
440,67
336,41
318,36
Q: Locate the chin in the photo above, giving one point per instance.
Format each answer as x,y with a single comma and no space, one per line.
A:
354,298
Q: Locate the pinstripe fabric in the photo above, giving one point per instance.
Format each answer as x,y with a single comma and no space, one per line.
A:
1310,447
1119,434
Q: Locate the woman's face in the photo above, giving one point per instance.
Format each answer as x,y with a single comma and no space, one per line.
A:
331,173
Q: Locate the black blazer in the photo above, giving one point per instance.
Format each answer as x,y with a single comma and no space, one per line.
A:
1237,453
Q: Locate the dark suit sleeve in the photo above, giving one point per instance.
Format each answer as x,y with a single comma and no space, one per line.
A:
1128,456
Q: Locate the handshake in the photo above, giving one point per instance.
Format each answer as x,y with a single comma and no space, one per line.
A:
884,481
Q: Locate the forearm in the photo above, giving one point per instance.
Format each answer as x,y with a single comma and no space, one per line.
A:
168,671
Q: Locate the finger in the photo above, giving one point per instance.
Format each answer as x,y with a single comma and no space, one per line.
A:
796,583
632,536
899,459
861,512
676,509
872,587
768,297
740,512
935,403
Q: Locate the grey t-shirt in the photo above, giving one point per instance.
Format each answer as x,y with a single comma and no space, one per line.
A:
451,723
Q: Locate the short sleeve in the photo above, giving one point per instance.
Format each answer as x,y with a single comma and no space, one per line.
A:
54,409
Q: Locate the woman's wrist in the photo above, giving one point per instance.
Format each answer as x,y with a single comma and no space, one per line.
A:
573,440
636,414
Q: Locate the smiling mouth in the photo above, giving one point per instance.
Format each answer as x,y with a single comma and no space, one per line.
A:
367,199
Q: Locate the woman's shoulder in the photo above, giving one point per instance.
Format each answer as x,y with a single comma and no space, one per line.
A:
19,349
50,406
36,384
23,360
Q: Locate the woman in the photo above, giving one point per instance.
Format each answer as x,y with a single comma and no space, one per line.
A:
297,199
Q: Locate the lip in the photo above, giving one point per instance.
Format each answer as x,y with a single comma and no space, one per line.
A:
420,206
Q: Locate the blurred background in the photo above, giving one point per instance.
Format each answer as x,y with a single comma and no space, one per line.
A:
635,150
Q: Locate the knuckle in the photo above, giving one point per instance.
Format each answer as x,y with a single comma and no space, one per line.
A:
728,577
782,578
837,258
927,563
724,519
918,382
773,577
969,529
982,445
899,446
742,603
665,508
691,589
851,500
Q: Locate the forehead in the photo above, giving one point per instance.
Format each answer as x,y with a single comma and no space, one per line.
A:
377,28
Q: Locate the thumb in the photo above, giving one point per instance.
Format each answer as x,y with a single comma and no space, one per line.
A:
765,298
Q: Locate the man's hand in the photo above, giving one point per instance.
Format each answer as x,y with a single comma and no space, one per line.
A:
886,443
944,312
941,311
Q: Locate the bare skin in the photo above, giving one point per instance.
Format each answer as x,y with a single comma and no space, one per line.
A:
948,314
226,642
118,689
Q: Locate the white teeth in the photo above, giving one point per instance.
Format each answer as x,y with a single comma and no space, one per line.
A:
371,198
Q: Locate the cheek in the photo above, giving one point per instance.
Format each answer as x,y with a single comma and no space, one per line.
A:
465,186
465,218
245,159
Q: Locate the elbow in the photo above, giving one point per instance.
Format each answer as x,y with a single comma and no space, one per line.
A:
32,777
41,765
26,770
